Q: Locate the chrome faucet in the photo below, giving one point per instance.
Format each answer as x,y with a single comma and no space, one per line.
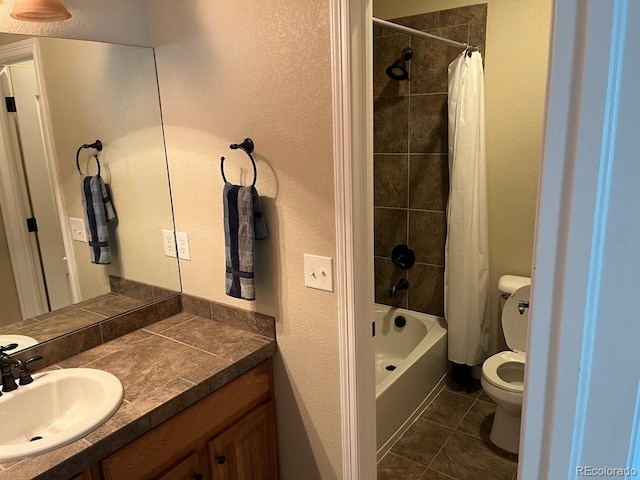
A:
402,284
522,305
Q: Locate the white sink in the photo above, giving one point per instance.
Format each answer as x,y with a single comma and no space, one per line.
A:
22,340
60,406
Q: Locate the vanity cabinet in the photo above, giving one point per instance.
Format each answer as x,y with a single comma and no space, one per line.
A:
245,449
230,435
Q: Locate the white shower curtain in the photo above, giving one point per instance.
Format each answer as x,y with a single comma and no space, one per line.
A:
467,247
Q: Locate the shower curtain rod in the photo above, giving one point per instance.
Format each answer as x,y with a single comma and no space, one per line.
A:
418,33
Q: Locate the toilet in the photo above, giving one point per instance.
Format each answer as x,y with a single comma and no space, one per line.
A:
503,373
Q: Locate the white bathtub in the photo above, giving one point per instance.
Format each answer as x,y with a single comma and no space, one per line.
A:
418,351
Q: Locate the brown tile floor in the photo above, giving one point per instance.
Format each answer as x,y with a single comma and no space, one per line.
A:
450,440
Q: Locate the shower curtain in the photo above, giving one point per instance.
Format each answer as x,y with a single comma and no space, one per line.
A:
467,245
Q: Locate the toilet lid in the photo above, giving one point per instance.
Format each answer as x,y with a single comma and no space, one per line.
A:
515,325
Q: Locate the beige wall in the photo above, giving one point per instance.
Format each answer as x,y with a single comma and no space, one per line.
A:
228,70
115,99
118,21
516,60
9,301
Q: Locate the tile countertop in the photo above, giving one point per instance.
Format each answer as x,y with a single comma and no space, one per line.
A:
164,367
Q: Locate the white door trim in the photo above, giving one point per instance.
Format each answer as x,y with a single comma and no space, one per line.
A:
15,207
351,38
8,54
572,225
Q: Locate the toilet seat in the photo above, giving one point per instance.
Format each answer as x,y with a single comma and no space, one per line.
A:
490,370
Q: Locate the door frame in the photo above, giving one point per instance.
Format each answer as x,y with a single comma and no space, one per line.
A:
29,280
352,61
23,248
553,300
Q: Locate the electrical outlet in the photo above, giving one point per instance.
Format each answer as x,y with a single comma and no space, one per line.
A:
318,272
78,231
169,242
184,252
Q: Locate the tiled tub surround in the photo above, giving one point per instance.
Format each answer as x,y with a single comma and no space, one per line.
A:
411,173
164,367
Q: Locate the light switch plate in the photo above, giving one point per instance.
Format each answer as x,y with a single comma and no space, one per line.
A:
184,252
318,272
78,232
169,242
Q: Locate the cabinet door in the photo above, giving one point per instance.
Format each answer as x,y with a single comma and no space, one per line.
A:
247,450
89,473
187,469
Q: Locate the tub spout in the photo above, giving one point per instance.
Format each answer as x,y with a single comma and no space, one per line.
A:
402,284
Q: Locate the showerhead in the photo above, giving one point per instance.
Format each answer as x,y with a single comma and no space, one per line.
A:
398,69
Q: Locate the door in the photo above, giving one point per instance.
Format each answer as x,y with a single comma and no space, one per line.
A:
582,386
246,451
37,252
187,469
50,242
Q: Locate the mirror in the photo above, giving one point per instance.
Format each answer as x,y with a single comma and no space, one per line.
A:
68,94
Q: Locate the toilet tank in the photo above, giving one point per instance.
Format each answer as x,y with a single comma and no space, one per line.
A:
508,284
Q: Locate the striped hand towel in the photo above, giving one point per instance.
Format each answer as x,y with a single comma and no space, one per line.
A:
243,225
98,210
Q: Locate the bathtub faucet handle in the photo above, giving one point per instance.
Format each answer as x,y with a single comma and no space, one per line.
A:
402,284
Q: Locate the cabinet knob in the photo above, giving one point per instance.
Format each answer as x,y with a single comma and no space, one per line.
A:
221,459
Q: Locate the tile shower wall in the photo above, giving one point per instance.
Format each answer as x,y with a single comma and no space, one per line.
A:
411,173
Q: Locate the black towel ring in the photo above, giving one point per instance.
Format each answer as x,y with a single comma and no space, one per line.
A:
247,147
97,145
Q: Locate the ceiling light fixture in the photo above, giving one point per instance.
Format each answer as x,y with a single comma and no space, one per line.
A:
39,11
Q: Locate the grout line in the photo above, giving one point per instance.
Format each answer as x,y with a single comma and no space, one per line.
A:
443,474
185,344
390,96
418,417
460,423
426,94
455,429
461,395
440,450
170,327
414,154
421,264
404,458
414,209
189,381
86,310
408,232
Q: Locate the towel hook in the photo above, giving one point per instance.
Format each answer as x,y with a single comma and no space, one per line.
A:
97,145
247,147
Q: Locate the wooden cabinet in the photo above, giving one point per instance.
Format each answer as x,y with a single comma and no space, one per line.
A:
246,450
190,468
229,435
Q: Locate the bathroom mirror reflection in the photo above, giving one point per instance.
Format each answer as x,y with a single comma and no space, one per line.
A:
63,94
